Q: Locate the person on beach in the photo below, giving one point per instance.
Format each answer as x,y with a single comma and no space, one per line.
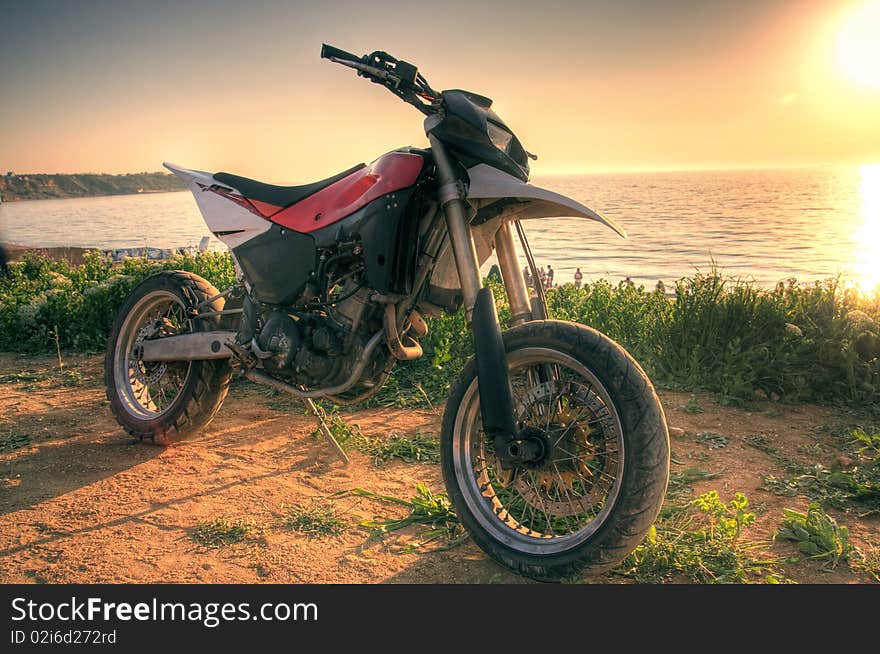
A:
628,281
527,276
578,277
543,274
549,276
661,286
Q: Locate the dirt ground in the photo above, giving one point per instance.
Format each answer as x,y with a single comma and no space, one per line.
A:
80,501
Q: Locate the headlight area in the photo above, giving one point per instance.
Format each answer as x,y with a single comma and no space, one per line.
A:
499,136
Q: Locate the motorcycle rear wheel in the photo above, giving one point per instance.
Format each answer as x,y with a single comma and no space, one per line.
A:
596,491
163,402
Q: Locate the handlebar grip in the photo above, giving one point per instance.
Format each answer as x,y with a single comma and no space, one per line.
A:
328,51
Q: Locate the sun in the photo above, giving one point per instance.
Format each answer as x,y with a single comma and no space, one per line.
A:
858,46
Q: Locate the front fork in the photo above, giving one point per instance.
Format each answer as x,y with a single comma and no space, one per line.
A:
496,395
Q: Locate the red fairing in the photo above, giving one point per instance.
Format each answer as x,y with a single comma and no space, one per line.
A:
265,208
389,173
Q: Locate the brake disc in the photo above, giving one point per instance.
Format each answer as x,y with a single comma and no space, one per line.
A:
573,477
147,372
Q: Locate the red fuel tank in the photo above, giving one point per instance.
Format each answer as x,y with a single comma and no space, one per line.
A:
390,172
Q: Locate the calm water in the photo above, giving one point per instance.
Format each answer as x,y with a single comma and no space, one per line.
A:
766,225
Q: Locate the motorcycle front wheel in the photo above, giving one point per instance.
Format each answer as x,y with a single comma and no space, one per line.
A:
596,490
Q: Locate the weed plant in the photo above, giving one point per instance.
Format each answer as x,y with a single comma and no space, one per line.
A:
815,342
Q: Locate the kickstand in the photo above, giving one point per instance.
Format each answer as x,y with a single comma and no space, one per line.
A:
322,425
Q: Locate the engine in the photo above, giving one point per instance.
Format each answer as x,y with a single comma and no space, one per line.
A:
308,312
314,342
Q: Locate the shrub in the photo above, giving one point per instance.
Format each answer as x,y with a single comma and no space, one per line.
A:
814,342
82,300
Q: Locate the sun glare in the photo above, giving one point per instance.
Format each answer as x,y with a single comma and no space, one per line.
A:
858,46
867,263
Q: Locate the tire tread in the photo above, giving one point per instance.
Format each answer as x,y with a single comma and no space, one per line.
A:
204,395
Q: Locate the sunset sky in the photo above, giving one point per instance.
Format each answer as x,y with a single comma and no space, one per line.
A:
117,86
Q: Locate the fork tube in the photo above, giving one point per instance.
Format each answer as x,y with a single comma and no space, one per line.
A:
463,249
496,395
514,284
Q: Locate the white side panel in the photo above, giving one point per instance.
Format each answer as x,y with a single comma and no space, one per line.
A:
221,214
489,183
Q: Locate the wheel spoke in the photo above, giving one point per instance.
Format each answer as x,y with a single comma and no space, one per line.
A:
547,514
567,491
149,388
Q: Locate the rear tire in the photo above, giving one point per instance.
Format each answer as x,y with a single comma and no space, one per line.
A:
592,498
139,391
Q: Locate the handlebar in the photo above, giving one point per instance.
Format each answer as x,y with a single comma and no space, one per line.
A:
330,52
400,77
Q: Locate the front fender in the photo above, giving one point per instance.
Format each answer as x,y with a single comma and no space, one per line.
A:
496,193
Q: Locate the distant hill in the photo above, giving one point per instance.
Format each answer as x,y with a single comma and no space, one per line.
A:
40,186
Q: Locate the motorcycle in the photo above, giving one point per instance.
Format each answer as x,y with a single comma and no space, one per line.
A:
554,445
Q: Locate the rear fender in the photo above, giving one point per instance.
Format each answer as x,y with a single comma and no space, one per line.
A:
192,177
229,216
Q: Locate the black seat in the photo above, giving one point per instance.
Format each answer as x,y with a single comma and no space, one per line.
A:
280,196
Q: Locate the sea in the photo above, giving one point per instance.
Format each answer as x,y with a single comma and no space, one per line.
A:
762,225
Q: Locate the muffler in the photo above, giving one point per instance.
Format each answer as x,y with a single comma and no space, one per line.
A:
187,347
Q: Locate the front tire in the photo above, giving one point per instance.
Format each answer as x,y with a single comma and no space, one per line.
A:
163,402
601,482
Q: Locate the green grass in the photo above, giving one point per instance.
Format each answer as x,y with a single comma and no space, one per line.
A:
315,520
817,535
417,448
26,377
866,445
431,510
811,449
712,440
348,435
869,564
762,443
223,531
680,481
692,406
63,377
81,300
716,334
777,486
854,487
701,543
